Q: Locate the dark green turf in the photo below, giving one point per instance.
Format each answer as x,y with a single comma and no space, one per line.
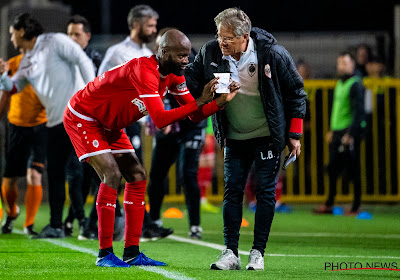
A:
22,258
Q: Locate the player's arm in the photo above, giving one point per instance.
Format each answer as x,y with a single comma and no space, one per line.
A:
146,81
210,108
72,52
5,98
14,84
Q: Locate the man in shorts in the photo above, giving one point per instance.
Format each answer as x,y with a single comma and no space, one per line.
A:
95,117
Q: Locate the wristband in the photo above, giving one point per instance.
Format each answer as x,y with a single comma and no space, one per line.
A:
296,126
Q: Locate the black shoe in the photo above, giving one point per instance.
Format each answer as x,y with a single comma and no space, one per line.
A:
82,225
29,231
9,223
154,232
195,232
50,232
68,228
89,234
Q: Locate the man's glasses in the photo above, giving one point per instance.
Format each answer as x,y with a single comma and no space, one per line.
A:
225,39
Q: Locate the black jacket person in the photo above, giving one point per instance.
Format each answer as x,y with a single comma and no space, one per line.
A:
264,117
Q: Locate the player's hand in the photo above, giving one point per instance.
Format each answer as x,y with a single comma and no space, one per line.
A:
208,93
3,66
294,146
226,97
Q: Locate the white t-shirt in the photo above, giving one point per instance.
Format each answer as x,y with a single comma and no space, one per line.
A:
57,68
253,123
121,52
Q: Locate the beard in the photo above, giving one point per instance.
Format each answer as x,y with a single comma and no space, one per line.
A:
146,38
174,68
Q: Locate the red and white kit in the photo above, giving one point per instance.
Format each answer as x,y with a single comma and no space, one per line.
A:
96,115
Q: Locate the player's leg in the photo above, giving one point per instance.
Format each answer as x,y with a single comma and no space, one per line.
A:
75,178
34,192
189,155
90,143
356,176
107,169
164,155
17,154
135,189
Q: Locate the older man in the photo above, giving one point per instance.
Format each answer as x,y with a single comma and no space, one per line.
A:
95,118
265,116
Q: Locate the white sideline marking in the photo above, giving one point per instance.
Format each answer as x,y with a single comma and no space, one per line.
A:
315,234
163,272
222,247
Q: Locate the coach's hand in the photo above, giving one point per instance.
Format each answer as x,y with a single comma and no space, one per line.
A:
294,146
226,97
208,93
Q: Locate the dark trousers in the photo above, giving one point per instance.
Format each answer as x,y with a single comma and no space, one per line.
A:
59,148
187,146
239,156
84,178
342,159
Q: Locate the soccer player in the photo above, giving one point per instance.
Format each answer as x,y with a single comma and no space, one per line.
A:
26,150
95,118
56,67
142,23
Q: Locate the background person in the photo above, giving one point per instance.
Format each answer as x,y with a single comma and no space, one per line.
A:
56,67
26,151
347,127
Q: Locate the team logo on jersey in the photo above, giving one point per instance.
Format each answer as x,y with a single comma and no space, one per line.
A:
251,69
267,71
181,87
141,107
95,143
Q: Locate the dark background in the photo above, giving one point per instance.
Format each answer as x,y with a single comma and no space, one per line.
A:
272,15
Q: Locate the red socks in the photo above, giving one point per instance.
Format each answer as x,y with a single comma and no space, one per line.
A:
105,206
134,211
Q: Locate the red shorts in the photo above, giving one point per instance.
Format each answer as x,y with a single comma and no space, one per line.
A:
90,138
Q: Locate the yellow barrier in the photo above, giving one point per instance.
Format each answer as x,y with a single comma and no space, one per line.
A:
305,180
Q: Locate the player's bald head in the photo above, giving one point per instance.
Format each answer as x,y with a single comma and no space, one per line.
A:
173,40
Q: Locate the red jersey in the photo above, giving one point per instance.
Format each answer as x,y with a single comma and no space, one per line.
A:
128,92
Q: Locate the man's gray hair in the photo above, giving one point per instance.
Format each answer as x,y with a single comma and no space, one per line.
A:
235,19
139,12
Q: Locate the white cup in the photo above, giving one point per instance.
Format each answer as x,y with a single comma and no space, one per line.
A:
223,82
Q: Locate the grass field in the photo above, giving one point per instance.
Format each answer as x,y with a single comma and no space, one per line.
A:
300,244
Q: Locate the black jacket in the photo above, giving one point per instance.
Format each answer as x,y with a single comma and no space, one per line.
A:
95,56
282,95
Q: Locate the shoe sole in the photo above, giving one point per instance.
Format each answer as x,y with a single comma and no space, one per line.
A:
215,267
143,239
252,268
